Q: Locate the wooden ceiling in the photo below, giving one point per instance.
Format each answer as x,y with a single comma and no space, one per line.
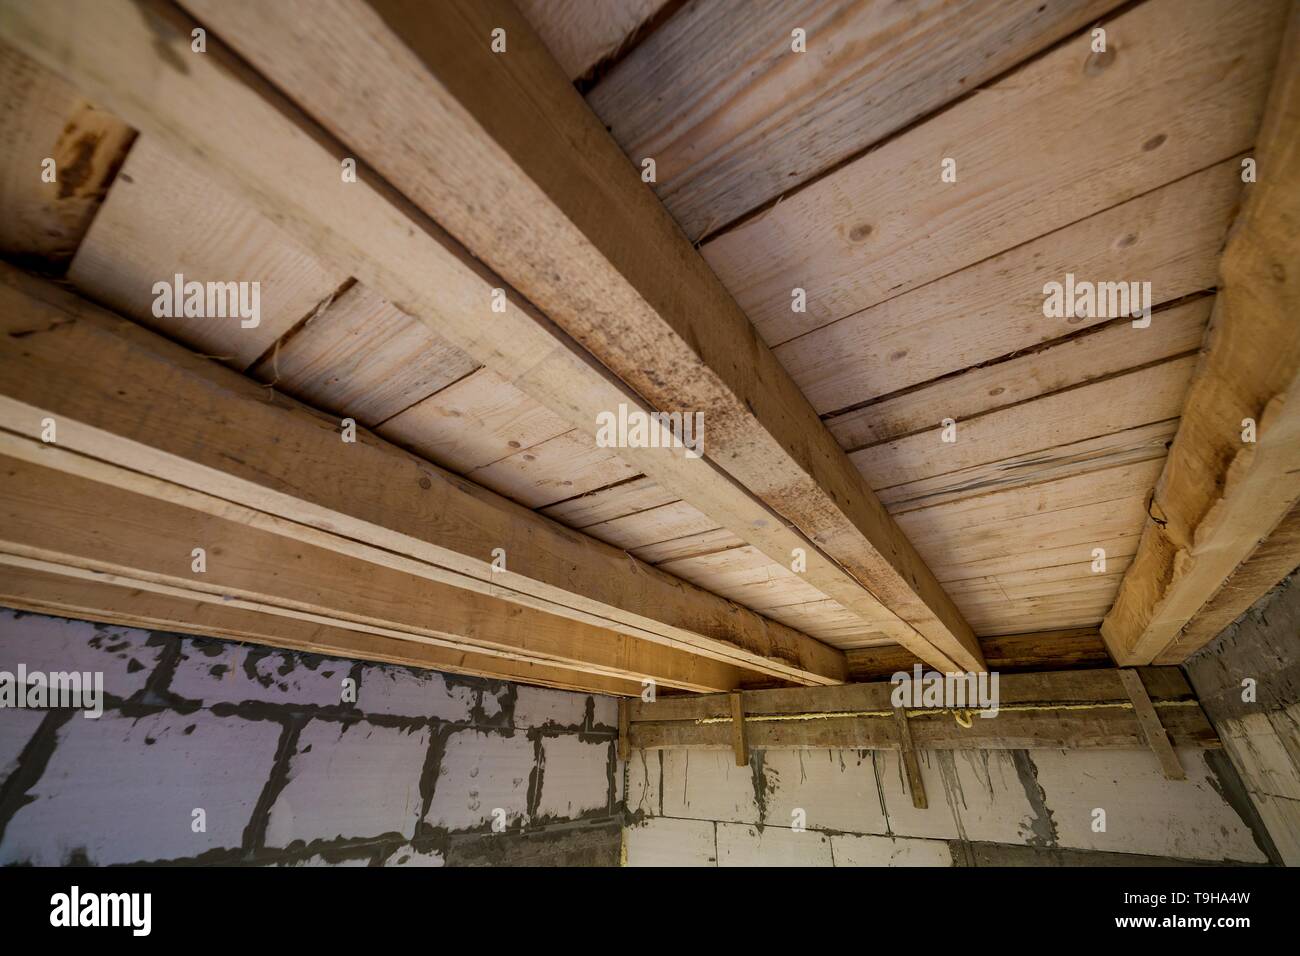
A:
775,171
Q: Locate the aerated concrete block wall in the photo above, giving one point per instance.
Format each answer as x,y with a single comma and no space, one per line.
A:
1248,680
986,808
259,747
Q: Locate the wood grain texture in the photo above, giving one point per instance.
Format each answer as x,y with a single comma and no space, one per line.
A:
1024,443
362,358
1008,653
1219,496
1100,352
473,423
862,716
915,785
161,218
92,598
55,517
581,34
1170,237
520,158
1181,88
734,118
42,117
153,407
1152,730
554,470
1275,557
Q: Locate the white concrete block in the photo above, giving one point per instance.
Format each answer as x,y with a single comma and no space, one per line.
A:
854,850
707,785
663,841
401,692
1145,813
740,844
643,777
836,789
993,798
575,777
122,790
938,820
541,706
478,773
123,654
605,711
353,780
227,672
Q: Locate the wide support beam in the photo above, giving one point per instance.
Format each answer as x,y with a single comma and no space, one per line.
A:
52,519
68,593
157,411
1054,709
529,181
1233,471
1275,558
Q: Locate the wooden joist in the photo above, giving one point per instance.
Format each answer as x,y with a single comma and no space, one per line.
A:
139,539
66,593
531,183
1221,494
160,412
1055,709
785,485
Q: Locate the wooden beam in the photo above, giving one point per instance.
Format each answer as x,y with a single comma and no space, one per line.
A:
739,742
1053,709
1152,730
532,184
908,754
67,594
158,411
623,750
1221,495
1010,653
1276,557
144,541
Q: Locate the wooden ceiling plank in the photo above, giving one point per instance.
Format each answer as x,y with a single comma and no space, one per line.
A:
1180,88
155,408
1035,428
1221,495
570,226
1170,237
1077,360
161,218
362,358
737,120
